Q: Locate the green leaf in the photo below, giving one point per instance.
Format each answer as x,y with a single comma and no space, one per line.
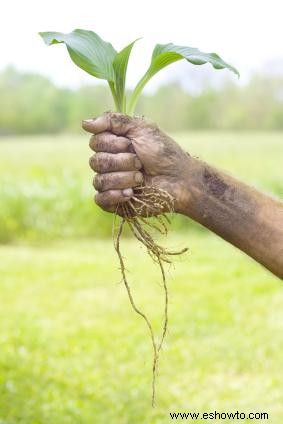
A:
87,50
100,59
120,65
165,54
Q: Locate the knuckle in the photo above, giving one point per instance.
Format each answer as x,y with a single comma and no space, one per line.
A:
98,182
92,162
97,199
99,162
117,180
101,201
102,162
109,142
92,142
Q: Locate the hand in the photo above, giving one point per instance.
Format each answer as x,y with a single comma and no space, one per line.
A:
131,152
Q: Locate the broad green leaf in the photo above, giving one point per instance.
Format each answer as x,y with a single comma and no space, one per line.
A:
100,59
87,50
120,65
165,54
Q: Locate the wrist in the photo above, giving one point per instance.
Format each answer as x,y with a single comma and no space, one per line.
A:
188,188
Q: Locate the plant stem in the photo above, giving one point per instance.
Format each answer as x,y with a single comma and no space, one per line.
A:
136,94
119,108
124,108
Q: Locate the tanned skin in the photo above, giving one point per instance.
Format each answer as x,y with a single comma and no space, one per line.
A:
131,151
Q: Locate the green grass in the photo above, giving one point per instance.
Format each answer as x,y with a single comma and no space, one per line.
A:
73,351
71,348
46,189
255,158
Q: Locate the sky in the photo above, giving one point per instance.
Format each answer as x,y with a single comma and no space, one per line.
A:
246,33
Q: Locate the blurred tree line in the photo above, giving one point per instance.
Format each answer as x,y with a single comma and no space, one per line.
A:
30,103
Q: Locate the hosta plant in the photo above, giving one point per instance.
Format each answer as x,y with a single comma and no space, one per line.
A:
100,59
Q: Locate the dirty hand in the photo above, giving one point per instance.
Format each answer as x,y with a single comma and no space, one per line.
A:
131,152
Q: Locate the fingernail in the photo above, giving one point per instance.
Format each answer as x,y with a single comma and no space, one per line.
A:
138,164
87,121
138,177
127,192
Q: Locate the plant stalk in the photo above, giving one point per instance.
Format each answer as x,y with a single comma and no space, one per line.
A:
136,94
118,106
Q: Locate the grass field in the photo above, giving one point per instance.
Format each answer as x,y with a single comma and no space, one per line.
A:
46,186
73,351
71,348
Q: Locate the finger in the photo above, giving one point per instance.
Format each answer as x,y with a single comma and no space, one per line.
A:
97,125
109,162
108,200
117,180
116,123
108,142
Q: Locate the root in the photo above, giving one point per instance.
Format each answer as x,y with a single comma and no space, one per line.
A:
148,202
136,309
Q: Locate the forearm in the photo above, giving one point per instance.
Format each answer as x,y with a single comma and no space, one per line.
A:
250,220
245,217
